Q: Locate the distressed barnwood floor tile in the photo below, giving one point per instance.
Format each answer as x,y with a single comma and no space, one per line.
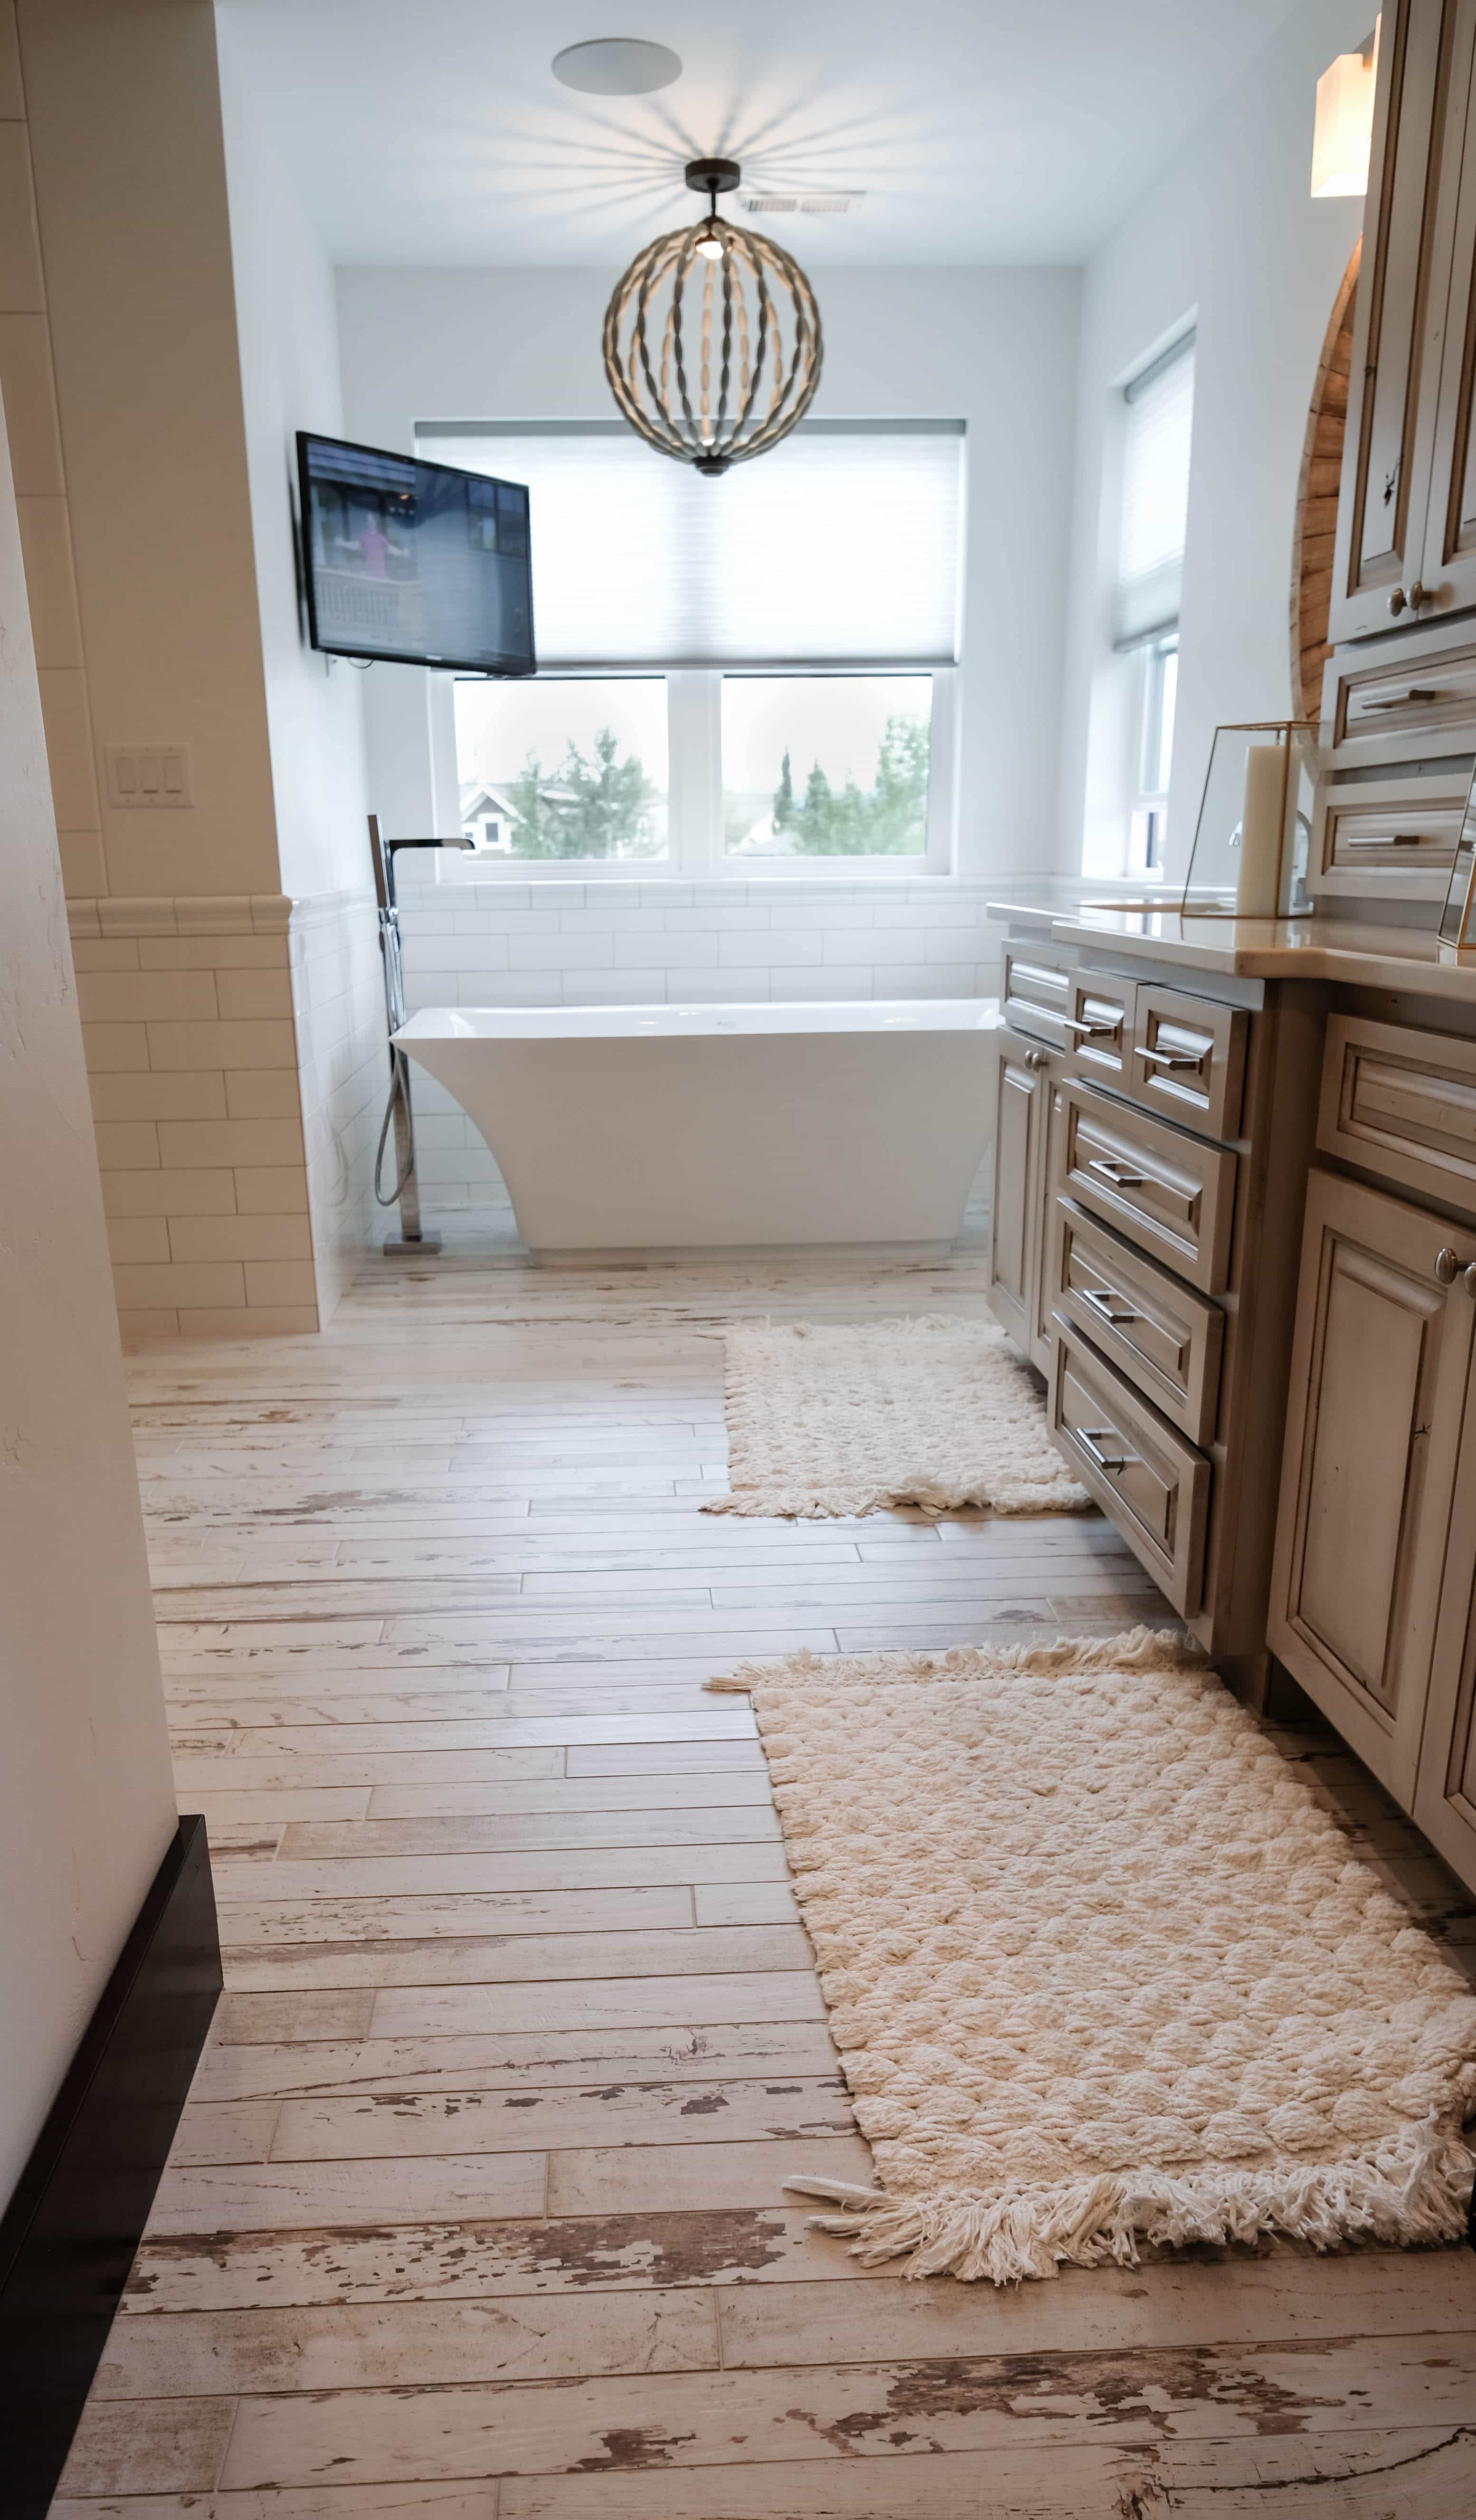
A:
476,2209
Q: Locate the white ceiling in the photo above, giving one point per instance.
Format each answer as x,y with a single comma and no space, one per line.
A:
434,131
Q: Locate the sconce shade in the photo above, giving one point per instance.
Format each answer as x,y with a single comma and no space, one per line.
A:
1344,126
712,344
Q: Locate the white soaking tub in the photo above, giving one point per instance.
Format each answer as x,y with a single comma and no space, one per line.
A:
638,1129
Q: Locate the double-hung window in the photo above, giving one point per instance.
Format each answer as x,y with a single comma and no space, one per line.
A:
747,676
1157,429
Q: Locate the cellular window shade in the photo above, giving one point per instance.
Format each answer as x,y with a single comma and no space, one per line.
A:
839,547
1155,498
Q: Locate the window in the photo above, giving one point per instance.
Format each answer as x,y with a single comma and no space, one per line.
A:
824,766
563,769
748,675
1158,668
1155,497
1157,433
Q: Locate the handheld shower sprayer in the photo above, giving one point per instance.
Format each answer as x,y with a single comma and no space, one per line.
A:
410,1238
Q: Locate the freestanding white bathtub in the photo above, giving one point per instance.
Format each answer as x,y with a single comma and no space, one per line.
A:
635,1129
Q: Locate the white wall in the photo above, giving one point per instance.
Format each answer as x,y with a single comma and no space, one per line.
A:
994,347
288,325
86,1804
1230,237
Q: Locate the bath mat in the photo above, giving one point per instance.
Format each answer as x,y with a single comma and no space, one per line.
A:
1101,1968
933,1413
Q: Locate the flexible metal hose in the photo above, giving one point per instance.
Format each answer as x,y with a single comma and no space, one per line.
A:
397,1092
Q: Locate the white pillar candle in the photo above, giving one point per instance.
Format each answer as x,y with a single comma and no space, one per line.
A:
1260,820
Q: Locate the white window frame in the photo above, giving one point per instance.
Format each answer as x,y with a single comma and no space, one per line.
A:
695,853
1150,663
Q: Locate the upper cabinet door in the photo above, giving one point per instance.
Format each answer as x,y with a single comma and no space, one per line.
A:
1388,452
1448,571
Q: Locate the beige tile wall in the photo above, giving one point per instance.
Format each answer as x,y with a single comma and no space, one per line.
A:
27,384
235,1054
192,1058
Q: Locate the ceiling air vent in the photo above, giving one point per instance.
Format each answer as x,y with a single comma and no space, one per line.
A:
756,204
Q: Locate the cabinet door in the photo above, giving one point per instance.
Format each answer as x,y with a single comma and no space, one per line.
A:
1021,1101
1447,567
1388,452
1043,1329
1383,1346
1445,1791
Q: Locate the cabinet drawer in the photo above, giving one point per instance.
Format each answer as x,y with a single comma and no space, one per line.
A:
1037,995
1154,1486
1099,1027
1166,1339
1386,835
1398,701
1169,1192
1403,1103
1188,1060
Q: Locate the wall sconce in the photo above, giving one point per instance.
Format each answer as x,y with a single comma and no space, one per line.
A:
1344,128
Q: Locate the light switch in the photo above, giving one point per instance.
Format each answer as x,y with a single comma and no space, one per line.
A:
152,775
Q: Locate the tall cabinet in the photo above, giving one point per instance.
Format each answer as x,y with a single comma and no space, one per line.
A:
1398,702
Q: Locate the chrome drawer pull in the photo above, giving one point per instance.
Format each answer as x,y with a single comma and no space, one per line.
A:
1372,707
1113,1169
1384,840
1087,1437
1099,1297
1091,1030
1165,1058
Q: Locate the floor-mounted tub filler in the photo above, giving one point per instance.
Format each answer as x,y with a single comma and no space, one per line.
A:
639,1129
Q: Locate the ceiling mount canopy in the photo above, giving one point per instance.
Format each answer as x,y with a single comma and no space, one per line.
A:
617,65
712,337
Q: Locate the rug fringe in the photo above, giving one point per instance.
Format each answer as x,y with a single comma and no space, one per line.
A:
1136,1649
1412,2189
929,1494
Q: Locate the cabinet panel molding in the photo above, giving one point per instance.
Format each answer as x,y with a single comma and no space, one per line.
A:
1187,1059
1151,1484
1383,1346
1037,997
1164,1338
1403,1103
1171,1194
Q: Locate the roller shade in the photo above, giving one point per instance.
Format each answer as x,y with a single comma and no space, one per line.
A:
1155,498
840,547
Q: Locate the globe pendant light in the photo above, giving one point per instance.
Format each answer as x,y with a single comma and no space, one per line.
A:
712,342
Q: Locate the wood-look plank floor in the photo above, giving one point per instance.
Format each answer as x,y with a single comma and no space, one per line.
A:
476,2210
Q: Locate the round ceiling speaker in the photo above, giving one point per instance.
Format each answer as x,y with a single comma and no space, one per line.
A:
617,65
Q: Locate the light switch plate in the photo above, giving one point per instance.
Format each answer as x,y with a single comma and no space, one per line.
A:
156,775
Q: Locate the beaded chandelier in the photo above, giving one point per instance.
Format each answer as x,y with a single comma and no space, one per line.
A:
712,342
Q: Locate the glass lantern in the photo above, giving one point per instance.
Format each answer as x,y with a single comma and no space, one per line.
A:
1254,832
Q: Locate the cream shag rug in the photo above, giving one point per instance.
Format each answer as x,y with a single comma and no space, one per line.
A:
1101,1969
933,1413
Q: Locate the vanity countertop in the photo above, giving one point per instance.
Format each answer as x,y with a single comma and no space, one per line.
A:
1271,949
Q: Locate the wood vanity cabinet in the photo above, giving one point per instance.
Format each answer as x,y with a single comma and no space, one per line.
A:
1407,508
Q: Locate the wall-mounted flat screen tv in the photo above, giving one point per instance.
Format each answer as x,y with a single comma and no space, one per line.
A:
416,564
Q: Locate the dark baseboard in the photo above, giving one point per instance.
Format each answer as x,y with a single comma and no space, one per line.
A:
68,2235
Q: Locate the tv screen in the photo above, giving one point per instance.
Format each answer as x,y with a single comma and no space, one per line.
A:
419,564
